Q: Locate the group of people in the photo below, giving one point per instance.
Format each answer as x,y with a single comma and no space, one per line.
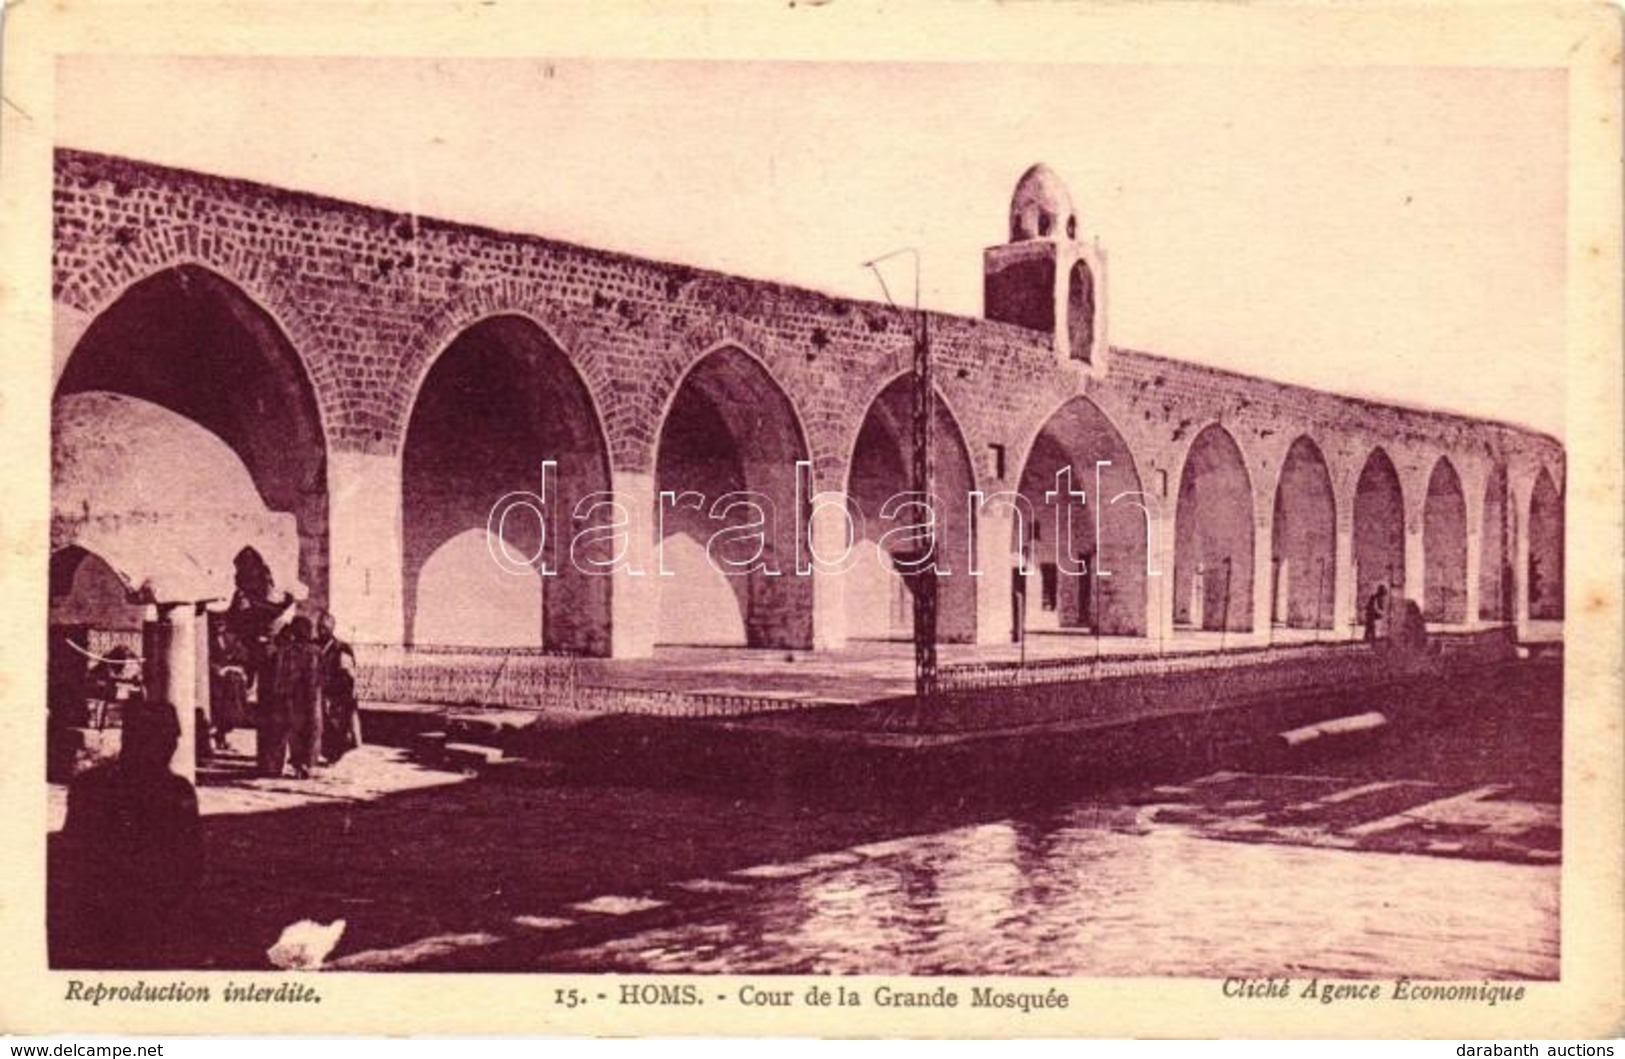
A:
128,863
291,678
310,688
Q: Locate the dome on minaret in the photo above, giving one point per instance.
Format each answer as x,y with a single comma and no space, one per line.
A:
1041,208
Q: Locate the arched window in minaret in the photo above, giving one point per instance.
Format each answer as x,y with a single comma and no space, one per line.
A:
1080,316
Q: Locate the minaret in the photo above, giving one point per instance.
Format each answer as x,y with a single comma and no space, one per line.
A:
1044,278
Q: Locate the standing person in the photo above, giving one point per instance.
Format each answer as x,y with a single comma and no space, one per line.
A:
228,683
299,692
131,853
1375,609
252,618
270,716
341,728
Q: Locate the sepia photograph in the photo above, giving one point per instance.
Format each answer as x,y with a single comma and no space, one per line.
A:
985,523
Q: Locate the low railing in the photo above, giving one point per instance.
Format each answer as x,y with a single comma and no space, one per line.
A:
520,677
531,678
976,676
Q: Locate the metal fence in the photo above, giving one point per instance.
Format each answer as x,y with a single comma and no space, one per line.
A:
984,675
466,675
530,678
533,679
978,676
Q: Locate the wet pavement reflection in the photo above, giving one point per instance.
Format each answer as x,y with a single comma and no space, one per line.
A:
1426,849
1094,891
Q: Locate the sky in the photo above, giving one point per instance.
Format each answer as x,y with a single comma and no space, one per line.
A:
1392,232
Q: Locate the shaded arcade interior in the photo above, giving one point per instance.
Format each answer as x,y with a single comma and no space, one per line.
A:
877,596
498,403
1379,531
1545,573
1087,567
1213,543
1304,542
191,386
1444,545
727,515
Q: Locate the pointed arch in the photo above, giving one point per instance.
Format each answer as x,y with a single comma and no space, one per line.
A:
1213,536
1545,574
1109,595
1444,546
1304,540
1379,530
497,403
877,597
727,516
191,341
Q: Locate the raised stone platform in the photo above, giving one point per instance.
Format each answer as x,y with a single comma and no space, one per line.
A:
735,683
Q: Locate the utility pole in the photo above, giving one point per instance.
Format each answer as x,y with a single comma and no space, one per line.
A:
923,478
925,594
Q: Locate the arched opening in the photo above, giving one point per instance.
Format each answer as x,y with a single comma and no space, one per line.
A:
1080,312
1304,541
727,532
1495,577
187,341
95,623
1545,551
1213,537
499,402
879,604
1444,547
86,590
1096,580
1379,532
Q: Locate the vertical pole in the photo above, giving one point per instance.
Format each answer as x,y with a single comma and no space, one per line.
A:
1320,593
925,583
1094,597
1019,583
204,705
1396,593
925,594
1021,638
1520,567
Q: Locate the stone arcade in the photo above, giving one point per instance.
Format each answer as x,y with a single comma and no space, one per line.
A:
351,389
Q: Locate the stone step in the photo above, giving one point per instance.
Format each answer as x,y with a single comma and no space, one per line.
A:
525,770
470,756
1357,724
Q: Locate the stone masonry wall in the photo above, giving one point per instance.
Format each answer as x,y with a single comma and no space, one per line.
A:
368,297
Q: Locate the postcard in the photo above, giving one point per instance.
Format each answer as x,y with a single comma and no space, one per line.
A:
993,520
